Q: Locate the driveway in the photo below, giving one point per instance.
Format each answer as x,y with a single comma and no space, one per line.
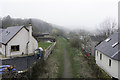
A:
20,63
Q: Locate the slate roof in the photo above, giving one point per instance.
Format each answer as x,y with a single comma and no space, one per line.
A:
97,38
107,49
1,30
8,33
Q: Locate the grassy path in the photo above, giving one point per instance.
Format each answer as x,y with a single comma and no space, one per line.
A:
80,66
66,62
67,70
54,65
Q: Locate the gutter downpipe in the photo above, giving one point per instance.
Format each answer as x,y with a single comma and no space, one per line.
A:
5,51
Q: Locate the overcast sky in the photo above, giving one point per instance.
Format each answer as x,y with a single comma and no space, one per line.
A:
68,13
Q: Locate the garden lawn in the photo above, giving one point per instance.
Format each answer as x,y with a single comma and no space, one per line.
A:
44,45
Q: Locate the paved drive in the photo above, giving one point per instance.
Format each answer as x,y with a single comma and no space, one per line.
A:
20,63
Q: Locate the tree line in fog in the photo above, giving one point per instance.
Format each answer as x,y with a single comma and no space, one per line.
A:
39,26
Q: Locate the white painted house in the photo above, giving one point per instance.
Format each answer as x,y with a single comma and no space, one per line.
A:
17,40
108,55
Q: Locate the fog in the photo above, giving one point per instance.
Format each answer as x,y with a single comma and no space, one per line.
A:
72,14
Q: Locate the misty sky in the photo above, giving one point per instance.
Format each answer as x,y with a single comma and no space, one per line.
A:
68,13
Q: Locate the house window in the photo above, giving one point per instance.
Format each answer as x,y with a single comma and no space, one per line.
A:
109,62
15,48
100,56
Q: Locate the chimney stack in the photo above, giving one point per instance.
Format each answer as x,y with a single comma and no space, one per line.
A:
30,31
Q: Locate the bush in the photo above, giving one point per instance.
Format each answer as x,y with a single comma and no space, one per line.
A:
75,42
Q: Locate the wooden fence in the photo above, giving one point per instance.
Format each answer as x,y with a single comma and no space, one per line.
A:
49,50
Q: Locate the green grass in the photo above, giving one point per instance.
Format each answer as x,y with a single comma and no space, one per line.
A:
56,60
78,64
44,45
60,56
80,67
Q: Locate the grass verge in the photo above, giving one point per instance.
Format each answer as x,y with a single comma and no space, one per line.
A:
44,45
80,67
54,65
60,56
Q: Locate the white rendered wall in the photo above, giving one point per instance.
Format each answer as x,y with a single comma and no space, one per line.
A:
104,64
20,39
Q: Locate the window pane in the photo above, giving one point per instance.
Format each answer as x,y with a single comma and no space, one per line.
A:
109,62
15,48
12,48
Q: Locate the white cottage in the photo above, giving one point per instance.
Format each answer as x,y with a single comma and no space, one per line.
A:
108,55
17,40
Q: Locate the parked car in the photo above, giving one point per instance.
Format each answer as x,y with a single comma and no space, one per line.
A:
6,68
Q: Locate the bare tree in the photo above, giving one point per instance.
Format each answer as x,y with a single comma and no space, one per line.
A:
107,27
84,37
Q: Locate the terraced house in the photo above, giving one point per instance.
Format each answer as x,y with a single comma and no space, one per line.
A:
17,40
108,55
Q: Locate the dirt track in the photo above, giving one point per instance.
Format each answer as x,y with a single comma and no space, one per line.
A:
66,65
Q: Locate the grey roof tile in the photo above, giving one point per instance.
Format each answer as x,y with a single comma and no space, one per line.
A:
107,49
97,38
8,33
